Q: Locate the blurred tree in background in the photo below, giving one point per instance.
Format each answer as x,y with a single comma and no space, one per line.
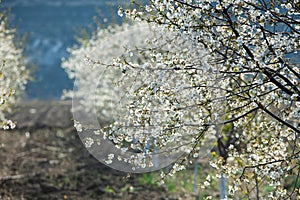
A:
13,73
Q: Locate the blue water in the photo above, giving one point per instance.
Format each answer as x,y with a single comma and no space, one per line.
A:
50,26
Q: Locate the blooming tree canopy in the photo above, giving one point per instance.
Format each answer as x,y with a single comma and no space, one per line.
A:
13,74
105,86
218,74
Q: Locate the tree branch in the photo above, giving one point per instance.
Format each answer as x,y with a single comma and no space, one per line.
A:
276,117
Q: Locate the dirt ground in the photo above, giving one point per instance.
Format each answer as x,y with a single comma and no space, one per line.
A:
43,158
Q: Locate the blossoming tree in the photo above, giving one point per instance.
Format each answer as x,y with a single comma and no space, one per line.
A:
13,74
240,100
109,89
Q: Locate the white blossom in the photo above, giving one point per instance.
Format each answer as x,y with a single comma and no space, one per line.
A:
13,73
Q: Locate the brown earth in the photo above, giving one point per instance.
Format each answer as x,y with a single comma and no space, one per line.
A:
43,158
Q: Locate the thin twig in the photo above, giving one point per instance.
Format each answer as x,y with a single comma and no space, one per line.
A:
15,177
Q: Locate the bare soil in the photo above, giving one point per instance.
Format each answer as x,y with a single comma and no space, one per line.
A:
43,158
